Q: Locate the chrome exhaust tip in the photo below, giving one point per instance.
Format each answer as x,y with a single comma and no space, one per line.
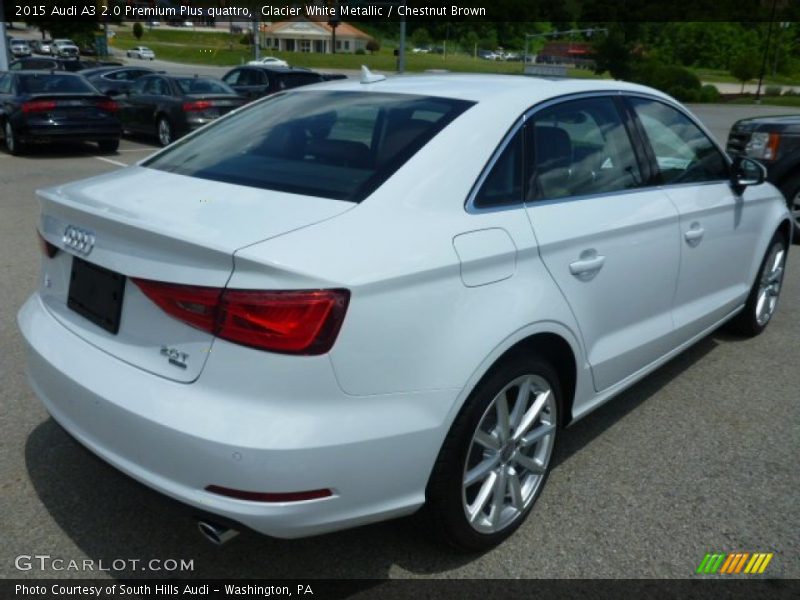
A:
216,534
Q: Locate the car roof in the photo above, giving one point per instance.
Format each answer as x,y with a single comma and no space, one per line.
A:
508,91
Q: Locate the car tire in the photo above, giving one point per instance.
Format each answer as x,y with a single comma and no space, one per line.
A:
108,145
791,191
13,144
763,298
483,466
164,131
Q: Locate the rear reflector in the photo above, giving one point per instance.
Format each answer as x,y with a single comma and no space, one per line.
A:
197,105
269,496
38,106
48,249
108,105
292,322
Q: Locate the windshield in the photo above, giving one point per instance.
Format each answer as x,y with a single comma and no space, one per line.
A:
340,145
196,85
47,83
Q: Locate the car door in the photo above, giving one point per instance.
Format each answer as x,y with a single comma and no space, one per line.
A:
606,236
718,227
138,103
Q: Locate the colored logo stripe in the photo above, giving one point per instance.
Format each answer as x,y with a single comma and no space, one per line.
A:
734,562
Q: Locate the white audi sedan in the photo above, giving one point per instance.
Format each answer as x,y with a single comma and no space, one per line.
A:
351,300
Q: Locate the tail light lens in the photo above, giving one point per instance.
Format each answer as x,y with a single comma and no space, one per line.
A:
38,106
290,322
48,249
196,105
108,105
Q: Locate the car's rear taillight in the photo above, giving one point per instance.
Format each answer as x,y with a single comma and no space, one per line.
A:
48,249
292,322
196,105
108,105
35,106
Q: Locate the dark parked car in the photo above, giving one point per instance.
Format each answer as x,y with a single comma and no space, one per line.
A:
171,106
39,106
254,81
111,80
775,141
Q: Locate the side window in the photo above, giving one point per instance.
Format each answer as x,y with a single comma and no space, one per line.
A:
683,152
232,78
503,184
5,84
156,86
138,86
578,148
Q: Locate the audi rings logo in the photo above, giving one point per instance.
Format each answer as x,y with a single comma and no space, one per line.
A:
78,239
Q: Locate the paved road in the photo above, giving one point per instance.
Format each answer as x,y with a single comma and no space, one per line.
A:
701,456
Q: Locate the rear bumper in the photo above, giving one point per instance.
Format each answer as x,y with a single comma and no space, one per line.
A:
375,453
69,133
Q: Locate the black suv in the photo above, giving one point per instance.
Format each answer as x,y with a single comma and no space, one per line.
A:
775,141
254,81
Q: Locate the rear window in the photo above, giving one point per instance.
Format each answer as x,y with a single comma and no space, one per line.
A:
192,85
54,84
340,145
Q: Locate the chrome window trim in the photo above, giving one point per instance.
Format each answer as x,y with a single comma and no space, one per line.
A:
469,205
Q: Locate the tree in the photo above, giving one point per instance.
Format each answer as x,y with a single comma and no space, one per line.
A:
138,30
618,51
745,67
373,46
421,38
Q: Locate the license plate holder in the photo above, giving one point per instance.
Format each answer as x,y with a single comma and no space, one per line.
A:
96,294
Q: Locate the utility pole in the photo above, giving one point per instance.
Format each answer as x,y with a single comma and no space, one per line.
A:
766,51
401,55
3,47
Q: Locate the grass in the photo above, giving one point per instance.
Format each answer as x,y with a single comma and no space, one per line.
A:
224,49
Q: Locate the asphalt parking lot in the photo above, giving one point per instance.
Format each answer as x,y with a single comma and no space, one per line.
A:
699,457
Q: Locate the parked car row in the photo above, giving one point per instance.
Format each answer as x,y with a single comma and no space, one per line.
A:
38,101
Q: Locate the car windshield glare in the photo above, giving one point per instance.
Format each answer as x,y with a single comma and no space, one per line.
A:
193,85
53,84
339,145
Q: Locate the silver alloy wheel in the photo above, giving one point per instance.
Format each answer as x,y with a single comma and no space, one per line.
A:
509,454
164,132
794,208
769,286
11,143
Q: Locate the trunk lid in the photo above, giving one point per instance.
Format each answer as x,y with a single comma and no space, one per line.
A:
149,224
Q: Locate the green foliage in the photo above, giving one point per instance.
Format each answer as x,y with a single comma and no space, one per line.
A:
421,38
745,67
360,51
615,52
678,82
138,30
773,90
373,46
709,93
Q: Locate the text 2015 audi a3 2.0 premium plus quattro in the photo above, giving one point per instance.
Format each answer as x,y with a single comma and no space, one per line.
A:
353,299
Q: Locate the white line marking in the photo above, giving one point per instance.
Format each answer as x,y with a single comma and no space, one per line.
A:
113,162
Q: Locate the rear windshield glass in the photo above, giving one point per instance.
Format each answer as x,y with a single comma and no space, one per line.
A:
340,145
54,84
192,85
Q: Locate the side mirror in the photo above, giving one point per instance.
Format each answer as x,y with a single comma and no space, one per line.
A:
747,171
